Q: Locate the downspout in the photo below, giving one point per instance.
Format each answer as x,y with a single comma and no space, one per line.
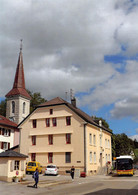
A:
85,152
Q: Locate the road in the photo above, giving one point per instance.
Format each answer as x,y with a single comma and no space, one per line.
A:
62,185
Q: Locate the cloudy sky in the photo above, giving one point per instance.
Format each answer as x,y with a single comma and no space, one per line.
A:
89,46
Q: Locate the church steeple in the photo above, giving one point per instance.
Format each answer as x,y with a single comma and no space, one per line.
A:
18,99
19,81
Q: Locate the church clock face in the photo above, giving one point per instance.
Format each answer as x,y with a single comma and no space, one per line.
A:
11,119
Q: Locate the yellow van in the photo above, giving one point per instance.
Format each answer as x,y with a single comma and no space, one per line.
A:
31,167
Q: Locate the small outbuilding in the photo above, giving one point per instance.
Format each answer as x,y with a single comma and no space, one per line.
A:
12,164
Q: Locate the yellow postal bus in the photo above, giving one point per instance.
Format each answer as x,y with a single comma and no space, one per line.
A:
124,165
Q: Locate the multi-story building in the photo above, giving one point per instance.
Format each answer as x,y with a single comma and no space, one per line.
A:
57,132
9,134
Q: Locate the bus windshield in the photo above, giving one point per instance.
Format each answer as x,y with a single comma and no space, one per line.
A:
124,164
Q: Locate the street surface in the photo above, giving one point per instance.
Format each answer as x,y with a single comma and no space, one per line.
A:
63,185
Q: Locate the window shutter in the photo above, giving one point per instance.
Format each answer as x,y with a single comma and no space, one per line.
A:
8,146
2,131
1,145
22,165
12,166
9,132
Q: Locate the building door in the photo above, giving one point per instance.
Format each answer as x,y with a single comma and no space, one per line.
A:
101,157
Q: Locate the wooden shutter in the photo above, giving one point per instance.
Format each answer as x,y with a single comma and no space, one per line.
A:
22,165
2,131
8,146
12,165
1,145
9,132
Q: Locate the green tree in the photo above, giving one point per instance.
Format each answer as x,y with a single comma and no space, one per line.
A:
36,100
97,119
122,145
3,108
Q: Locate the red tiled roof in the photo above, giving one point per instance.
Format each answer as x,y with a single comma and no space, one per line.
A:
18,91
6,122
19,81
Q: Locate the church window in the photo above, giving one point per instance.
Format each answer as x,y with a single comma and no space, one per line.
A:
13,107
24,108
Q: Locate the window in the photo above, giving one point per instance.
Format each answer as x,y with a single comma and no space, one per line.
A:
6,132
94,139
68,120
24,108
47,122
68,138
16,164
50,157
101,140
33,140
94,157
90,157
54,121
13,107
50,139
68,157
90,139
34,123
33,156
5,145
106,143
51,111
106,158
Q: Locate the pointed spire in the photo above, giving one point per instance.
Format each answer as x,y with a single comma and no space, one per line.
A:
19,81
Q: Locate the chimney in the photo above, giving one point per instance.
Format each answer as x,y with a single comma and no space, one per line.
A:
73,101
100,123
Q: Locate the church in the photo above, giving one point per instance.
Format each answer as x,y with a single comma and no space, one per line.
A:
17,108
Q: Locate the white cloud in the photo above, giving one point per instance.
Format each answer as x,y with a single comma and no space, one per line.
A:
64,44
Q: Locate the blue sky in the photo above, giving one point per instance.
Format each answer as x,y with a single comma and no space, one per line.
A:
90,47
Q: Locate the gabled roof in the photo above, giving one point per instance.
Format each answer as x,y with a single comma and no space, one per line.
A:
19,81
11,153
6,122
83,115
59,101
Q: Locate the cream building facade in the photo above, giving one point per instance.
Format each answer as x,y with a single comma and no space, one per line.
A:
59,133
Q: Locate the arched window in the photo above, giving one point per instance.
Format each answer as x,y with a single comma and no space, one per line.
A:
24,108
13,107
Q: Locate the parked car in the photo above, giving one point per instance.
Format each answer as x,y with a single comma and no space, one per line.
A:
31,167
51,170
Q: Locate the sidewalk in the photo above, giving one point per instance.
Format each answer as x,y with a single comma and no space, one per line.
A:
45,181
48,183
